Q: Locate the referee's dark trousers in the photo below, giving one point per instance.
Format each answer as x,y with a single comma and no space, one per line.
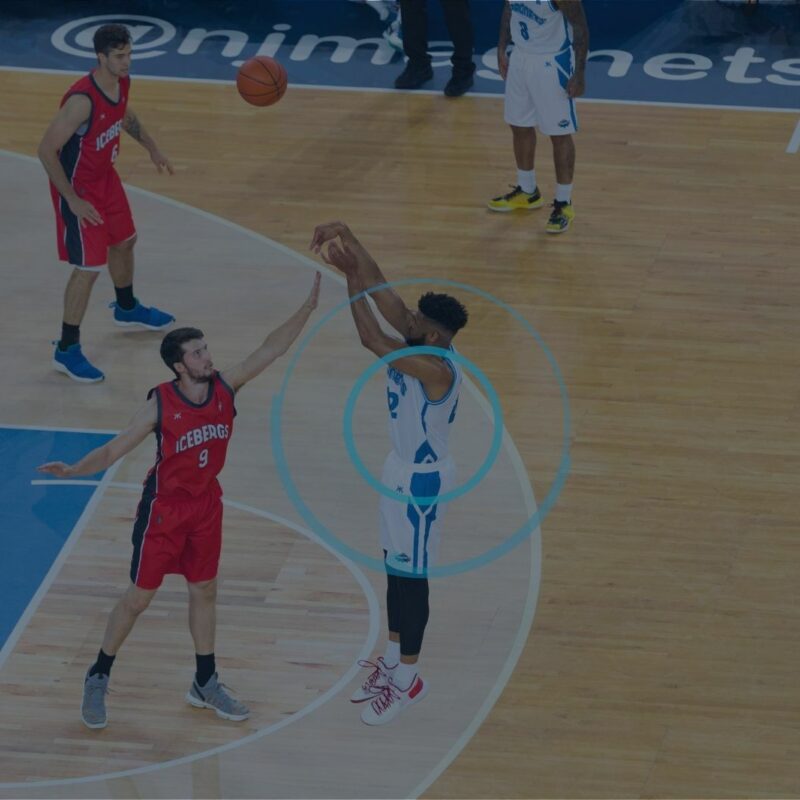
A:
459,24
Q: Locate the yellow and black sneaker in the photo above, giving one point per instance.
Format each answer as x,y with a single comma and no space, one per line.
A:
515,199
560,217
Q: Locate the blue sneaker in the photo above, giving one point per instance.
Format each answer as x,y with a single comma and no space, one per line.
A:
74,363
144,316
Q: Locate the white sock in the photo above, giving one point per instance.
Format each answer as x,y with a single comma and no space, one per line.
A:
564,192
404,676
392,655
526,180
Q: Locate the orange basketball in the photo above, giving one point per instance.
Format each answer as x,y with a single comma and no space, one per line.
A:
261,81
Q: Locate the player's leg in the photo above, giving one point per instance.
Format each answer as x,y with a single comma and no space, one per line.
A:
119,625
83,247
403,685
564,158
128,311
459,25
520,114
558,119
407,562
418,70
199,563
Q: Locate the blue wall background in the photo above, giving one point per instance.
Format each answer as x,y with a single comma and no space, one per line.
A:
731,56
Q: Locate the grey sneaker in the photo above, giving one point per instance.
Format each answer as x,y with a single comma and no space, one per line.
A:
214,695
93,707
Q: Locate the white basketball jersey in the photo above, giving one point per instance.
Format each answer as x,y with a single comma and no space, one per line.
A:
538,27
419,427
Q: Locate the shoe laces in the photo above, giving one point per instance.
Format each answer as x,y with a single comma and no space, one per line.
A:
558,206
384,697
515,190
93,688
377,670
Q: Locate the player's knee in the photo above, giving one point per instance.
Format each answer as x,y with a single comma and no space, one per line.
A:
126,245
137,600
87,277
204,591
562,141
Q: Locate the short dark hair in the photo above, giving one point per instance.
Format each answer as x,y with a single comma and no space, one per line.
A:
172,345
110,37
445,310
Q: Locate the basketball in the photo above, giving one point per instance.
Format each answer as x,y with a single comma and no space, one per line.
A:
261,81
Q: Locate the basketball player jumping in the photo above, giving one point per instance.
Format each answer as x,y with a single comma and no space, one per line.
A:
543,75
422,393
94,225
178,527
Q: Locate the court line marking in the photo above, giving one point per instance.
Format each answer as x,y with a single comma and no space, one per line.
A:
366,650
529,609
49,427
55,567
61,482
526,621
794,142
436,92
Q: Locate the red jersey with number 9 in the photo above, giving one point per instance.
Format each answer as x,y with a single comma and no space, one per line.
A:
191,439
92,149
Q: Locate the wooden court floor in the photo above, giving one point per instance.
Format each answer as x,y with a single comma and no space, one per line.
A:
663,656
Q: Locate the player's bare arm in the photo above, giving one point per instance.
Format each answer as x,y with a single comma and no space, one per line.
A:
134,128
504,40
74,113
575,14
431,371
352,255
275,345
101,458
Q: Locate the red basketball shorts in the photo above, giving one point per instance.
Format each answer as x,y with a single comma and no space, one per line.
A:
176,536
87,245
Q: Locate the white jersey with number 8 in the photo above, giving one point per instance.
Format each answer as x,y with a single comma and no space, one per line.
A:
539,28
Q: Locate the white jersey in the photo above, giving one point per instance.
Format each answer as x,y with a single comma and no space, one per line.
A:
539,28
419,427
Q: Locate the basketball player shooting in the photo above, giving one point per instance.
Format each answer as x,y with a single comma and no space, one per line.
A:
178,527
422,393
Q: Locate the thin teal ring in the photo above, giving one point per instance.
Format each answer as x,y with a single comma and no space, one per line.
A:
458,567
349,439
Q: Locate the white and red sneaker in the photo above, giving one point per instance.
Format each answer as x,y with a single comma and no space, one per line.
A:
388,701
379,677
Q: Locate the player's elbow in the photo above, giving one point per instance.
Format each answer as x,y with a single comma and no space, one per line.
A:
368,341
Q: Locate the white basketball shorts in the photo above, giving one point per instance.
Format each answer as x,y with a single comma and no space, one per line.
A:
536,93
410,532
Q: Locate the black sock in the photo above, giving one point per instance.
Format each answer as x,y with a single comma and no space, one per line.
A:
70,334
206,667
125,299
103,664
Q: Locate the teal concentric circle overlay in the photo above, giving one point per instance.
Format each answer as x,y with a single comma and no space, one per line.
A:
457,567
379,486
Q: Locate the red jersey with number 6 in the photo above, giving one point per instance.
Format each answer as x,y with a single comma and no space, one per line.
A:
191,439
91,151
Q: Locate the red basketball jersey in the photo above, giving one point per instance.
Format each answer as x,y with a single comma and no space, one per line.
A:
191,439
93,148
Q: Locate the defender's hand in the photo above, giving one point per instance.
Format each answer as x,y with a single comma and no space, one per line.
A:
57,468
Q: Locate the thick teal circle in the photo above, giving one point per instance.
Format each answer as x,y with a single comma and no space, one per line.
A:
349,439
458,567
